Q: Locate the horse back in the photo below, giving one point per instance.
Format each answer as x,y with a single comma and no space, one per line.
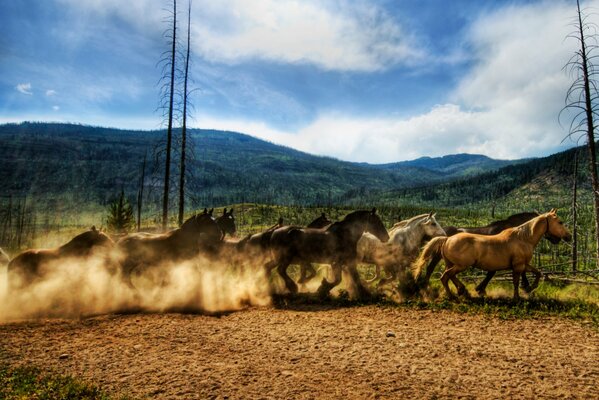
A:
489,252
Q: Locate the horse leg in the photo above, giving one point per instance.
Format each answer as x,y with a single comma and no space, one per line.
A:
481,288
535,284
389,276
377,274
289,283
326,286
430,268
307,272
459,285
355,276
516,272
526,284
449,272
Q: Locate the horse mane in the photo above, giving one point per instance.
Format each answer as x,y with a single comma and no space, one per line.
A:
525,231
409,222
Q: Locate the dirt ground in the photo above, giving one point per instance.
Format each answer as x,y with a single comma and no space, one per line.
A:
316,352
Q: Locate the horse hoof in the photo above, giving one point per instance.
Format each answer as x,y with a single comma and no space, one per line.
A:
529,289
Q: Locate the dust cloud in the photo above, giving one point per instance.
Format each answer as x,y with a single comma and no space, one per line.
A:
80,287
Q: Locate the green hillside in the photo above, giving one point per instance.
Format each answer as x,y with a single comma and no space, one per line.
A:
80,165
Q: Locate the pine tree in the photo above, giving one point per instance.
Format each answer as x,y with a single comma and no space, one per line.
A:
120,215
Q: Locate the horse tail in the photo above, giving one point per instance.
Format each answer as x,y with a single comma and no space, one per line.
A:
431,255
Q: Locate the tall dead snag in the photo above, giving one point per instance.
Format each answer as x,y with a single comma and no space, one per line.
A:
140,192
169,132
184,124
580,97
575,214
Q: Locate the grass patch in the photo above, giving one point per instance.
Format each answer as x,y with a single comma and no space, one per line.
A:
572,301
31,383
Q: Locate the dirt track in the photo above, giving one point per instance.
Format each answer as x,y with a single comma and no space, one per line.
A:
364,352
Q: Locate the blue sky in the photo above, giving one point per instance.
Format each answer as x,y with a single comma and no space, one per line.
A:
374,81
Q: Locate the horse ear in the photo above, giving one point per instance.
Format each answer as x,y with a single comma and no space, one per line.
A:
225,211
211,211
430,215
94,228
323,215
231,211
553,211
373,210
205,210
280,221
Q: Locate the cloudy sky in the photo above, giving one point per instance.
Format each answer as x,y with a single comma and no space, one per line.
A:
375,81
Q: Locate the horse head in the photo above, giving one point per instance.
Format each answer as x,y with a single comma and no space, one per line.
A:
556,230
320,222
431,227
226,223
202,227
375,226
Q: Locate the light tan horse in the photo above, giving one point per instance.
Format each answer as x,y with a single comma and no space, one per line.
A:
511,249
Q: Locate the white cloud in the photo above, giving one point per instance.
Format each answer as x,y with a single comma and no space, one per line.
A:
24,88
344,35
56,108
50,93
350,36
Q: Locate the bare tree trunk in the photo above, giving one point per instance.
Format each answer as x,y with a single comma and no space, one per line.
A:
574,216
169,132
140,192
184,127
590,126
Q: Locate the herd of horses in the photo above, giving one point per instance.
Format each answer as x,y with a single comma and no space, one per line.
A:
409,250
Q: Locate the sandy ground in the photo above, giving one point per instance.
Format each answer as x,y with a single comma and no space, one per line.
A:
315,352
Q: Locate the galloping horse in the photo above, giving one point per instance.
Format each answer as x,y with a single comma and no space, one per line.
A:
492,229
28,266
334,245
405,240
226,223
198,233
510,249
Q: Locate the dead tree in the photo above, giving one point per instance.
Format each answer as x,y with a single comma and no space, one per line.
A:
169,132
184,123
575,215
140,192
580,97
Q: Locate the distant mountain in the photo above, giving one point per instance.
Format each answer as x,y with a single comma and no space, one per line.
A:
454,164
542,181
78,165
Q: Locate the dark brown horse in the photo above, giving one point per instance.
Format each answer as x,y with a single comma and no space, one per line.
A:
334,245
492,229
199,233
226,223
29,266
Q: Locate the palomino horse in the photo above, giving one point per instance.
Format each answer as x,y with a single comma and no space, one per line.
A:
510,249
405,240
198,233
334,245
492,229
28,266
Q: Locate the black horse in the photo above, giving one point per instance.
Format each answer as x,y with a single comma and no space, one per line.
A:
334,245
226,223
199,233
